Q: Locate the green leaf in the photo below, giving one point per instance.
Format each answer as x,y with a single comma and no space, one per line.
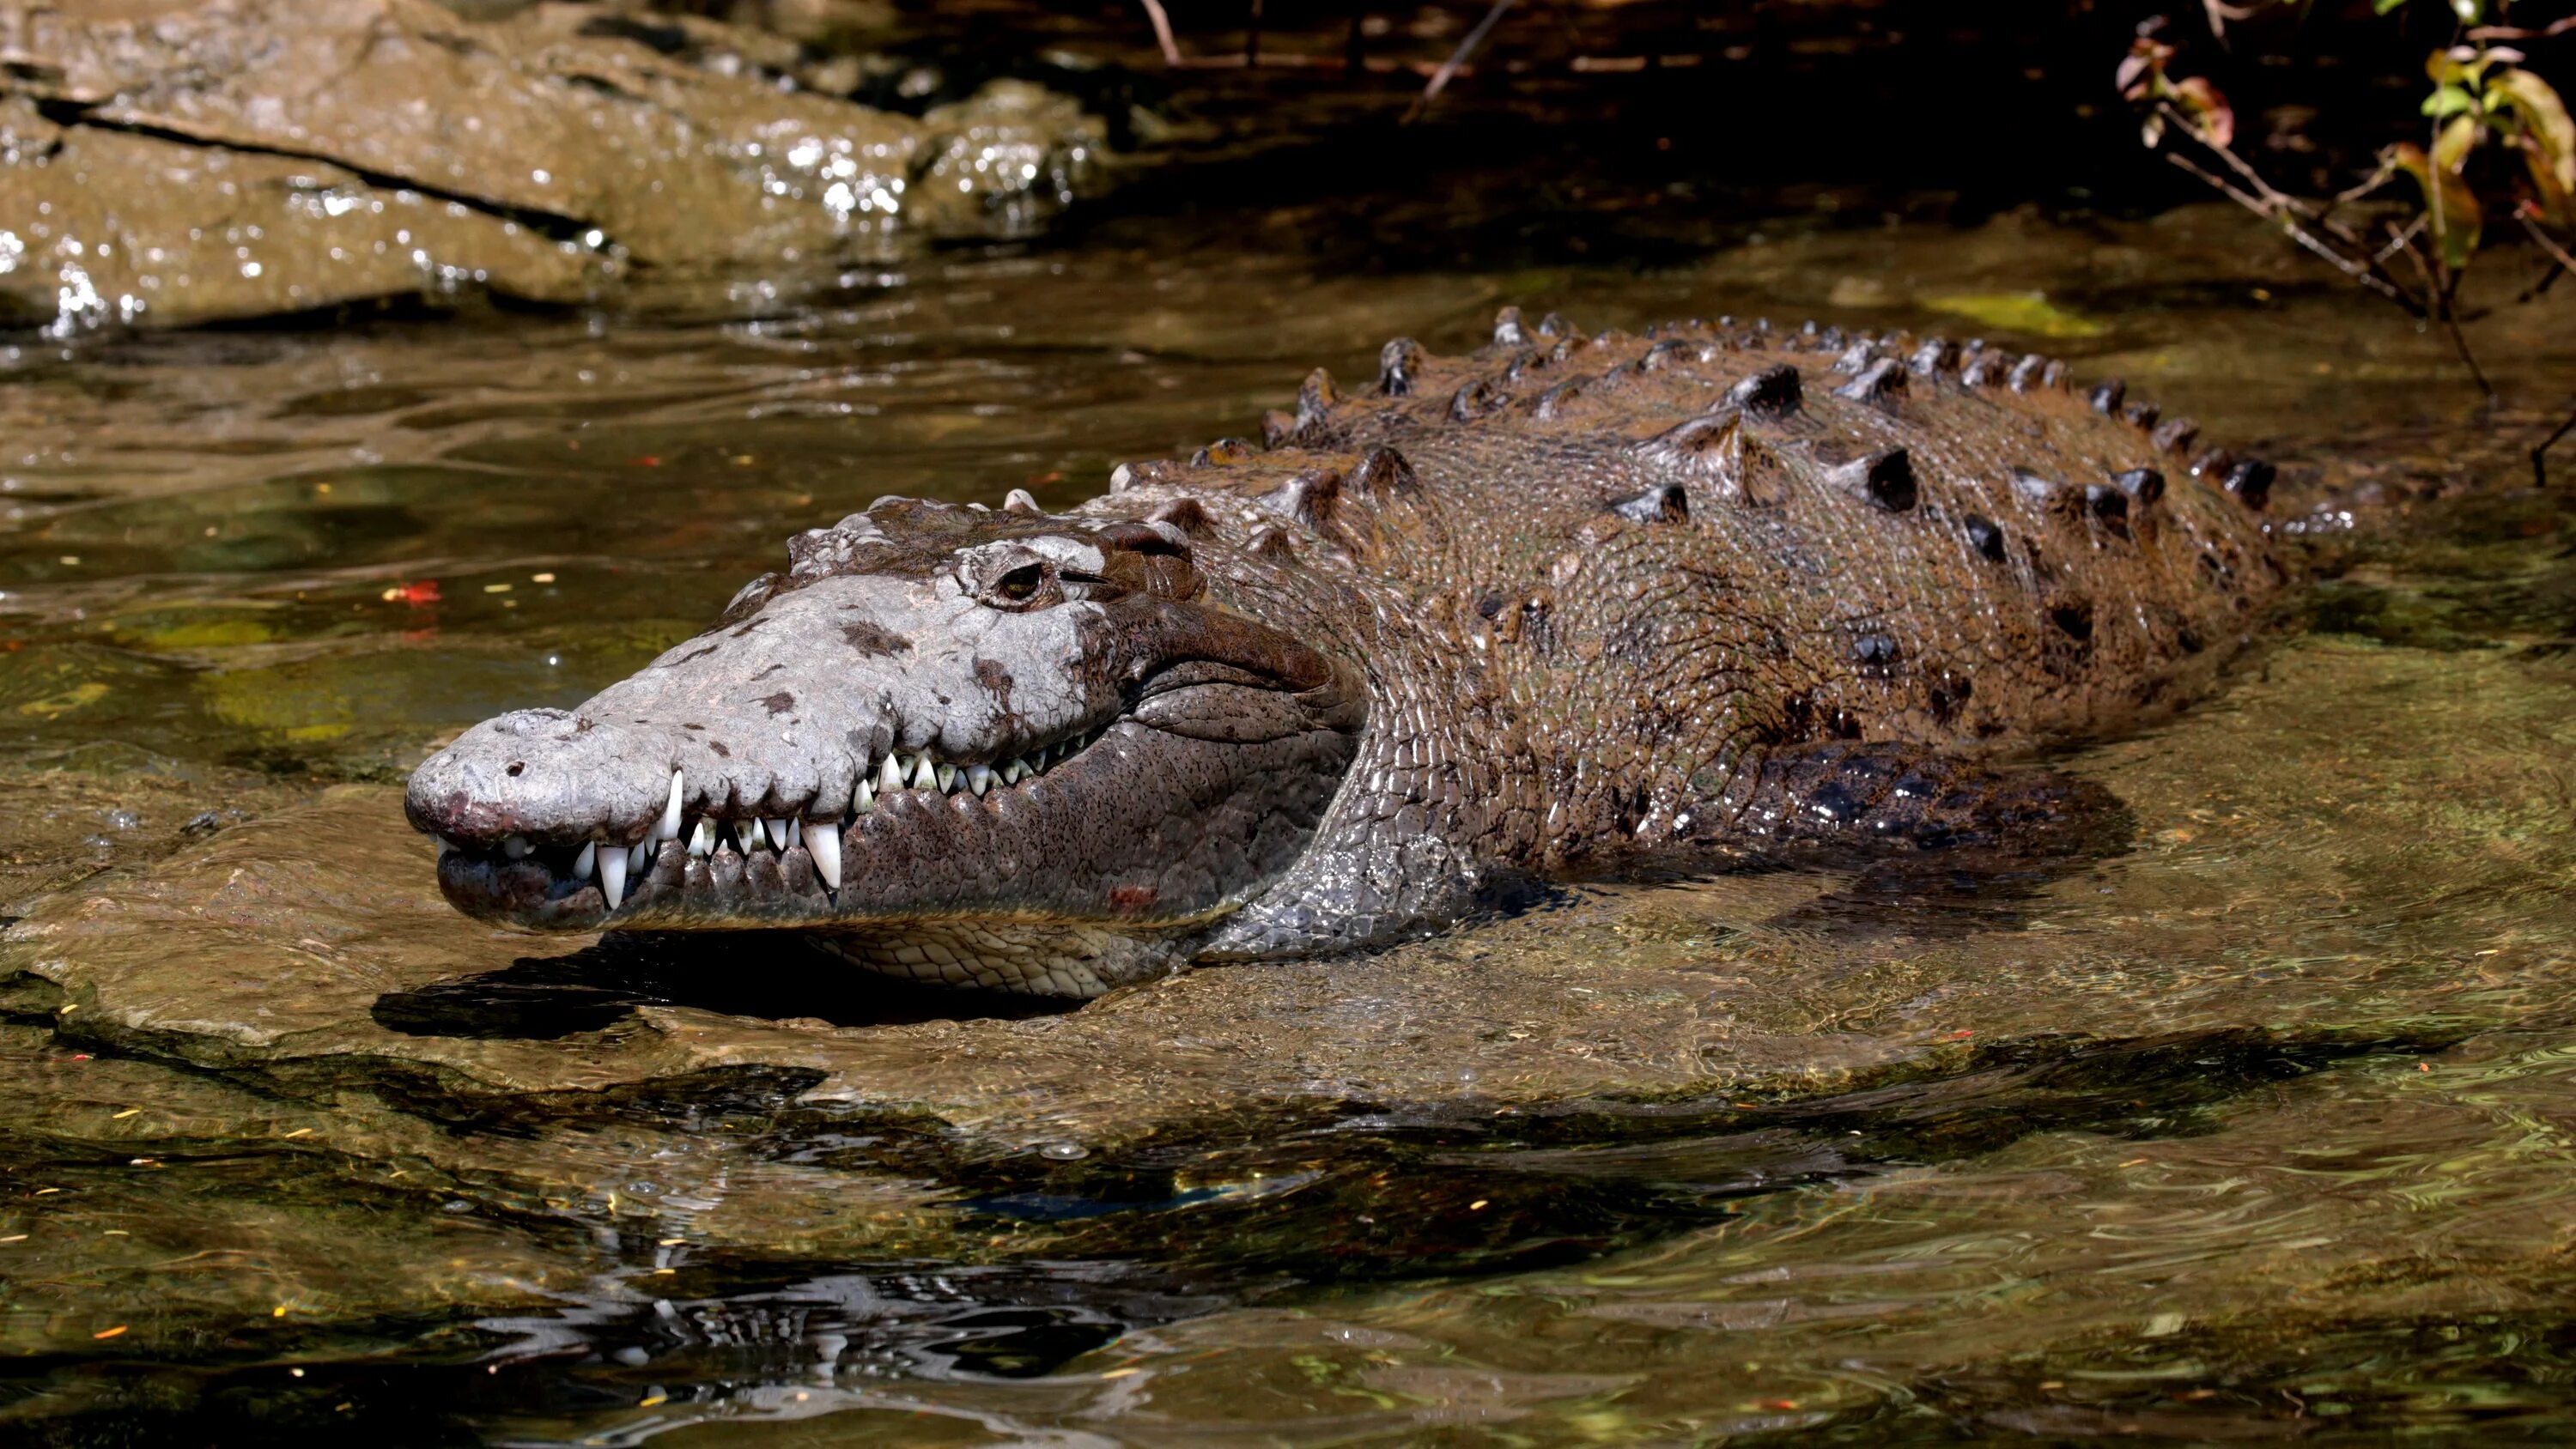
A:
2382,7
2468,10
2448,101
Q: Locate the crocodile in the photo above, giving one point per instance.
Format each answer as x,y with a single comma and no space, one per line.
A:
1561,606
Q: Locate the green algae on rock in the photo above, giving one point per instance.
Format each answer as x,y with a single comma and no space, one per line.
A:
241,158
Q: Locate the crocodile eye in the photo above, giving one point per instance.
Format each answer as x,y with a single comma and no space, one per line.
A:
1022,582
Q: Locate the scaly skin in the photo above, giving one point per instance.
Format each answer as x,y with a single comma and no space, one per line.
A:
1544,610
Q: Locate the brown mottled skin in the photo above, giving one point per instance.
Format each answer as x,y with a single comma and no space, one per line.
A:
1604,598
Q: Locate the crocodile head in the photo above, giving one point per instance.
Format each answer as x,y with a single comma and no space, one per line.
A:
1009,750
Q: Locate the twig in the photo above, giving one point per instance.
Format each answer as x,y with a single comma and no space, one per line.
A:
2540,455
1252,35
2291,227
2516,32
1457,58
1163,31
2174,116
2548,244
2398,241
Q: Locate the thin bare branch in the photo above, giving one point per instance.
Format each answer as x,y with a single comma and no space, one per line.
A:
2399,240
2292,226
1163,31
2547,243
2516,32
2540,455
1457,58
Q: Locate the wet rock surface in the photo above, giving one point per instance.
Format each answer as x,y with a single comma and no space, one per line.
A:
169,164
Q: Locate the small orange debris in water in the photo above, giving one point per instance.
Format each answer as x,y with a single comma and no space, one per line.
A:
117,1332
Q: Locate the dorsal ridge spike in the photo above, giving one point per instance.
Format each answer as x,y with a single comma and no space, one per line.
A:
1881,383
1663,503
1399,362
1185,514
1775,391
1383,473
1315,399
1885,478
1307,498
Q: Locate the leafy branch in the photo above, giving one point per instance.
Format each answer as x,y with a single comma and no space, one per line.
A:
2485,107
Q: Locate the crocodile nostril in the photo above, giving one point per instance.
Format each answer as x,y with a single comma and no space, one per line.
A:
517,765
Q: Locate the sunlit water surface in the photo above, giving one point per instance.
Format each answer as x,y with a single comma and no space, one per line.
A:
2259,1128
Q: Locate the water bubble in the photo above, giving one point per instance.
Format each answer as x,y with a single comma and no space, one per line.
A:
1064,1151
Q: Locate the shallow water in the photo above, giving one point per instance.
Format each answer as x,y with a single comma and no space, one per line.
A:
2256,1128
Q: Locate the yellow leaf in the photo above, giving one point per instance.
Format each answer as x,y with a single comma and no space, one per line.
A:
2026,312
2545,122
53,706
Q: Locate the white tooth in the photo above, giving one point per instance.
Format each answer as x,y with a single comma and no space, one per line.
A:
612,877
1016,771
702,841
669,828
824,840
746,834
948,779
890,777
777,833
640,857
581,863
863,800
795,834
516,846
445,845
925,775
979,778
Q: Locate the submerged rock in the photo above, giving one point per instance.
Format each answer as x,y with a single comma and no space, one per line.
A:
168,164
310,948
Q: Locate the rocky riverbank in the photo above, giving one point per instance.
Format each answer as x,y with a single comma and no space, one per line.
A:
175,164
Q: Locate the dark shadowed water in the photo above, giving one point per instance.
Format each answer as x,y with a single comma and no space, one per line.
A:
2260,1126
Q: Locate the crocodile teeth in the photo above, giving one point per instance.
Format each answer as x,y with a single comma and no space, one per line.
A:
777,833
795,834
702,841
863,798
890,778
1016,771
979,778
746,834
516,846
946,776
612,877
669,826
639,857
925,775
581,863
823,839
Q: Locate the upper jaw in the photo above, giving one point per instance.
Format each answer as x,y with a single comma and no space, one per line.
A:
705,857
777,717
